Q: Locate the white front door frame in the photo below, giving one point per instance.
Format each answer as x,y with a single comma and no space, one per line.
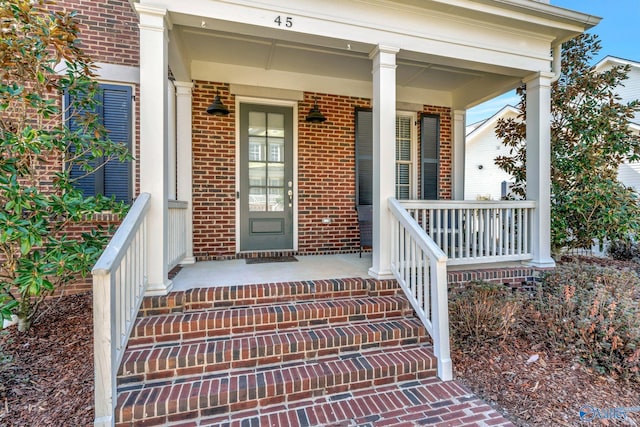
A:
274,102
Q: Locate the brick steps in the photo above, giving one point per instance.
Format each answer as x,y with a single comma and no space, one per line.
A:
269,293
236,320
214,393
156,361
332,352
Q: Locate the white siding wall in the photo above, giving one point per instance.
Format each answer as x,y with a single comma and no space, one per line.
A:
481,150
631,89
629,173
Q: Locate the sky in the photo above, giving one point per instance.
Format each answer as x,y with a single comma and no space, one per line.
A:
619,33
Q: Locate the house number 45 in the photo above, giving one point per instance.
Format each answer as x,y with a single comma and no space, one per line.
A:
287,21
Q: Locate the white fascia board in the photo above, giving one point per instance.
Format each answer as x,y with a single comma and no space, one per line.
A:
365,24
242,75
534,12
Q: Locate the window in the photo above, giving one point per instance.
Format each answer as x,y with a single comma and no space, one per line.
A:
405,156
114,112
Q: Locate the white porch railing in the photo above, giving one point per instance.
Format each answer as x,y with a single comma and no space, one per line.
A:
420,267
474,232
119,284
177,239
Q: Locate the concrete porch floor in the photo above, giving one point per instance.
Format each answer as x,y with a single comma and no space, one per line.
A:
237,272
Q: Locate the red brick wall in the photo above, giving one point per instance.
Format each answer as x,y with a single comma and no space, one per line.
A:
326,178
214,172
109,29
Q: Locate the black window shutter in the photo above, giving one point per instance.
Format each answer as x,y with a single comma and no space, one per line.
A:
86,183
117,121
430,149
364,156
114,113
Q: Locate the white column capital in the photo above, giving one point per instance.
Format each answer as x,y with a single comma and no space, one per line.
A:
542,78
183,88
383,57
152,18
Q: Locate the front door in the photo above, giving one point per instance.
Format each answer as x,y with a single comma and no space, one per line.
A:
266,177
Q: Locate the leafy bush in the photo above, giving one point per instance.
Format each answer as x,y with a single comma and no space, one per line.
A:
594,312
40,60
482,312
622,250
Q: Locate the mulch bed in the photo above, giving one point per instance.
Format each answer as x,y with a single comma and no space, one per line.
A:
46,374
548,392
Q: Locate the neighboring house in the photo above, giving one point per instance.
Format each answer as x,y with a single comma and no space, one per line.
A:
484,180
629,172
258,127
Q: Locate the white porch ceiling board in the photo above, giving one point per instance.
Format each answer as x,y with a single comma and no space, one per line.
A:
202,70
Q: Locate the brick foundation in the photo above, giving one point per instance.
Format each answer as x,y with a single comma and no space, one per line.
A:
512,276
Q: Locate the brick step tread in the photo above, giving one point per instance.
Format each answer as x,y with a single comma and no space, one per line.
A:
217,393
156,361
427,401
224,322
266,293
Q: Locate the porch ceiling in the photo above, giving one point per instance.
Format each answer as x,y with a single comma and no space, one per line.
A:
350,62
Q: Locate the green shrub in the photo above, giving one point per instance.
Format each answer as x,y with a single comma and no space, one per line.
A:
622,250
40,206
482,312
594,313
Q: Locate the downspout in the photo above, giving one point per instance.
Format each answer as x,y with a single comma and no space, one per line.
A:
557,62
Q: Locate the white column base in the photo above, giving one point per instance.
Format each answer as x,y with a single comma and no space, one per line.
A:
159,289
381,275
542,263
188,260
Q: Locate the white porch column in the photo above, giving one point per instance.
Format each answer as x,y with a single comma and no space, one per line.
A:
184,154
154,150
384,154
459,148
171,134
539,165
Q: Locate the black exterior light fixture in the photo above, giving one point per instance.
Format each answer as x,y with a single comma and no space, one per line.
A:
315,116
217,108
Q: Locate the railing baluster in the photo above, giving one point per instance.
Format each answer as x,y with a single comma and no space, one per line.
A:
476,231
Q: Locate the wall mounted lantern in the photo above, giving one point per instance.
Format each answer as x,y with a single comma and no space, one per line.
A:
217,108
315,116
